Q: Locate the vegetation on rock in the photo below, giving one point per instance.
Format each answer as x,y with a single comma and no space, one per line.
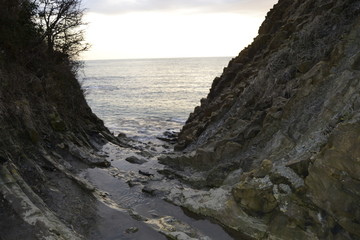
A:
60,24
273,148
47,131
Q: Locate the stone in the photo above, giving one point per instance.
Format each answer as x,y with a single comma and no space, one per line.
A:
265,168
282,174
121,135
88,157
255,195
149,190
146,173
132,230
135,160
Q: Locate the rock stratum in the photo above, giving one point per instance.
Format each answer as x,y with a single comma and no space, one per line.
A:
276,141
48,134
272,152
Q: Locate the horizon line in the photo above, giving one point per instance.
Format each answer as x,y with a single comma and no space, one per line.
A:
145,58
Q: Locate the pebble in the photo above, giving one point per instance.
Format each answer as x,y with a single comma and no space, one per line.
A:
132,230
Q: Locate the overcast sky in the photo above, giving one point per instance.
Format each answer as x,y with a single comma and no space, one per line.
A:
121,29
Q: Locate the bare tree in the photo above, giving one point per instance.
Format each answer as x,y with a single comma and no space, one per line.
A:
62,26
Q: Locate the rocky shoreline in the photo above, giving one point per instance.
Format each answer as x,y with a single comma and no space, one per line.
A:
273,144
271,153
113,190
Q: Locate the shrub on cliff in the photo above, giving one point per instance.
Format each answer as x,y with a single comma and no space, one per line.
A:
18,31
39,32
60,22
30,73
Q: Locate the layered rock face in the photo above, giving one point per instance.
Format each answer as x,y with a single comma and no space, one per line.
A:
280,127
48,133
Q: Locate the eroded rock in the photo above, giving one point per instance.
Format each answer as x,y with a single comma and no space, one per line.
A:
291,98
136,160
256,195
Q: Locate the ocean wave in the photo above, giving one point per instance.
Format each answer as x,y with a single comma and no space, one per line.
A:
145,98
101,87
176,120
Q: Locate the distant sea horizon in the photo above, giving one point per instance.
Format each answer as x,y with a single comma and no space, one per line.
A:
146,58
145,97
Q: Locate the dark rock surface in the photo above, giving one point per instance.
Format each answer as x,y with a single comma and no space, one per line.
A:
135,160
279,129
272,151
44,141
48,134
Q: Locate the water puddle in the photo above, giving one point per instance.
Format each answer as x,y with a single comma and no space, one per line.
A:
128,209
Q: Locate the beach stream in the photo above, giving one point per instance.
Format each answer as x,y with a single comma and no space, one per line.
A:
129,210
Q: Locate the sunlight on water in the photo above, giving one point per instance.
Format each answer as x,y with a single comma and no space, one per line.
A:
145,97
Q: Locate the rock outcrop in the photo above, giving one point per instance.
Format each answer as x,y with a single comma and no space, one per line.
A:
279,130
48,133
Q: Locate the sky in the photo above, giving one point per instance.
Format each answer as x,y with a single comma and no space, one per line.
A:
130,29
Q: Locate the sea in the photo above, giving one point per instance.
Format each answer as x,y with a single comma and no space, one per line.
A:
143,98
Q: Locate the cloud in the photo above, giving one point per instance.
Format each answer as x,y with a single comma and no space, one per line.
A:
196,6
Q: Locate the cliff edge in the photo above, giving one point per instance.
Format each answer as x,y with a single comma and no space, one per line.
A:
48,134
278,132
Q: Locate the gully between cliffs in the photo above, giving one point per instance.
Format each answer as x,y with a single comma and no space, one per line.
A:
271,153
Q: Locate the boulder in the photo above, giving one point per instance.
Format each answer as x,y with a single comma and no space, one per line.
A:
255,195
135,160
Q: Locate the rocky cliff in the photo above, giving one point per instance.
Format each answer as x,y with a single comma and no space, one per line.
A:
48,133
277,136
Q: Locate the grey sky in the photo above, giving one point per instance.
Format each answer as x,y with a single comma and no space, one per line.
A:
221,6
171,28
